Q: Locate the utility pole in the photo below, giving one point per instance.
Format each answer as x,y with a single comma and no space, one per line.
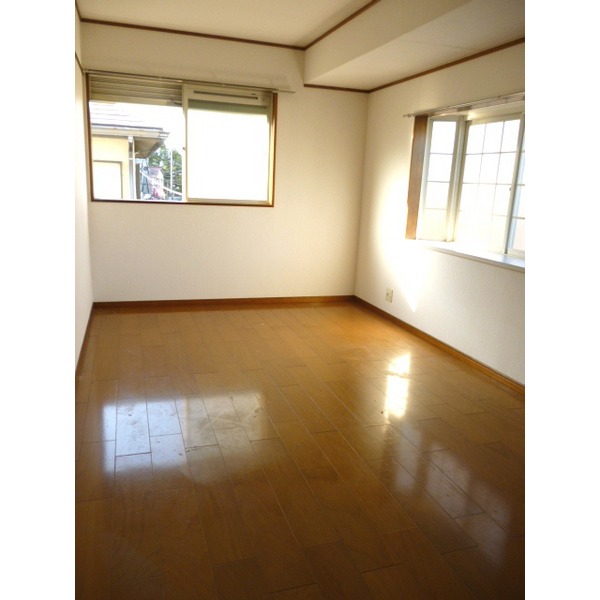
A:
171,175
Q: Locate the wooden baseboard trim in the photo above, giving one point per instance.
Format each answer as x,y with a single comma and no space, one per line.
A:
84,344
482,368
217,303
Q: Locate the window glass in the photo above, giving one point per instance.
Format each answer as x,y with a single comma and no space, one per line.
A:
434,224
518,235
472,169
502,200
437,195
516,240
510,137
475,141
493,137
145,142
489,168
166,141
484,209
440,167
506,167
228,151
438,177
108,179
442,137
520,202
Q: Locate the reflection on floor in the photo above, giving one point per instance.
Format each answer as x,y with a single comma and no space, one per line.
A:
309,451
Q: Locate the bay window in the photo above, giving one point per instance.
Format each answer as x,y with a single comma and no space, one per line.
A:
471,193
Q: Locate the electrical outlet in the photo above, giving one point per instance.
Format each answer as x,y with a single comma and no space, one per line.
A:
389,294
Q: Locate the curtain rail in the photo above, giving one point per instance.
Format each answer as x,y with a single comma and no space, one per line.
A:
188,81
498,100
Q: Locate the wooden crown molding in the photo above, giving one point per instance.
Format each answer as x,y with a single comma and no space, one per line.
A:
190,33
342,23
304,48
451,64
335,88
230,38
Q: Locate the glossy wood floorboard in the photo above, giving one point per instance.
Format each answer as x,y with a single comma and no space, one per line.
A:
291,452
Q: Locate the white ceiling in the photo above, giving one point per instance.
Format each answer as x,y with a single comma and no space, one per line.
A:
387,41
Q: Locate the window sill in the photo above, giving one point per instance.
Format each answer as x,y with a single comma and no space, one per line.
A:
186,202
498,260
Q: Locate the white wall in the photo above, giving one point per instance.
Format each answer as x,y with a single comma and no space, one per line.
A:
474,307
304,246
83,276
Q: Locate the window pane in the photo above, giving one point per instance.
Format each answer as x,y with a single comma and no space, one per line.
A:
442,137
474,221
146,141
493,137
108,180
440,166
474,229
433,224
521,177
506,167
484,204
510,137
489,168
437,195
475,141
518,235
498,234
519,209
472,168
468,197
501,200
485,199
228,154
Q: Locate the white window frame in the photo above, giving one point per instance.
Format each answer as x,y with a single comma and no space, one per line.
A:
241,97
448,241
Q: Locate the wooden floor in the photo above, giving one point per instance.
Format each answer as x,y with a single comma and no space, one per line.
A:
291,452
